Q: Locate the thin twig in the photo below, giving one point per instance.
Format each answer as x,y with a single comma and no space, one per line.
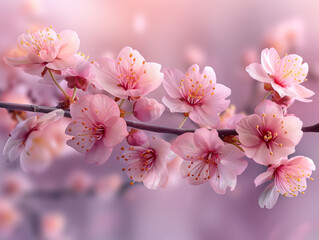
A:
133,124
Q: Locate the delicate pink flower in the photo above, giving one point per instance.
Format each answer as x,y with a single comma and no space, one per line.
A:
147,109
128,76
282,75
207,158
52,225
147,163
15,185
267,135
81,75
284,102
96,127
106,187
195,93
9,218
45,49
29,141
229,119
136,137
289,178
79,181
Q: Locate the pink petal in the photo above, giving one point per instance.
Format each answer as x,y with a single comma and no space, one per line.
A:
16,61
102,108
207,140
231,158
115,132
257,72
222,179
185,147
303,93
176,105
269,60
269,108
268,197
106,77
172,80
264,177
246,129
98,153
70,44
62,64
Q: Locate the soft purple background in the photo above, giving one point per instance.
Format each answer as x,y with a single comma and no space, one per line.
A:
220,34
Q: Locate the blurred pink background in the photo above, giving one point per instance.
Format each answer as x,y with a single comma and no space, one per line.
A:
227,35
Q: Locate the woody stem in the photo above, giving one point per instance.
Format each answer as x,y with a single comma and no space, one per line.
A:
133,124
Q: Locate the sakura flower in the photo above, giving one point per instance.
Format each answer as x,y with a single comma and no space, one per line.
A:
148,163
44,50
79,181
268,135
147,109
207,158
229,119
81,75
128,76
289,178
52,225
136,137
195,93
15,185
29,141
284,76
96,127
107,186
9,218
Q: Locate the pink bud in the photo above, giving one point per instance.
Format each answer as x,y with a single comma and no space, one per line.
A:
147,109
136,137
284,102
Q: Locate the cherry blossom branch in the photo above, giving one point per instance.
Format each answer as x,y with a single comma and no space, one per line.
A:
133,124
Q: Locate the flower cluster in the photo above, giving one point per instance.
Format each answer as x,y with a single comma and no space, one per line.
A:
268,136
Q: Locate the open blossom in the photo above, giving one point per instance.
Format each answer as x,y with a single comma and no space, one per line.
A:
30,141
45,49
129,75
195,93
289,177
207,158
148,163
96,127
268,135
9,218
80,75
147,109
282,75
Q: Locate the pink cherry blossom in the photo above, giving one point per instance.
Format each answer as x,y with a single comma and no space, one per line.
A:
29,141
148,163
79,181
282,75
136,137
81,75
207,158
96,127
268,135
147,109
195,93
9,218
229,119
128,76
289,178
45,49
14,185
108,186
52,225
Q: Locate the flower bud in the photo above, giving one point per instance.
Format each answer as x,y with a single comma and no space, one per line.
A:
147,109
136,137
